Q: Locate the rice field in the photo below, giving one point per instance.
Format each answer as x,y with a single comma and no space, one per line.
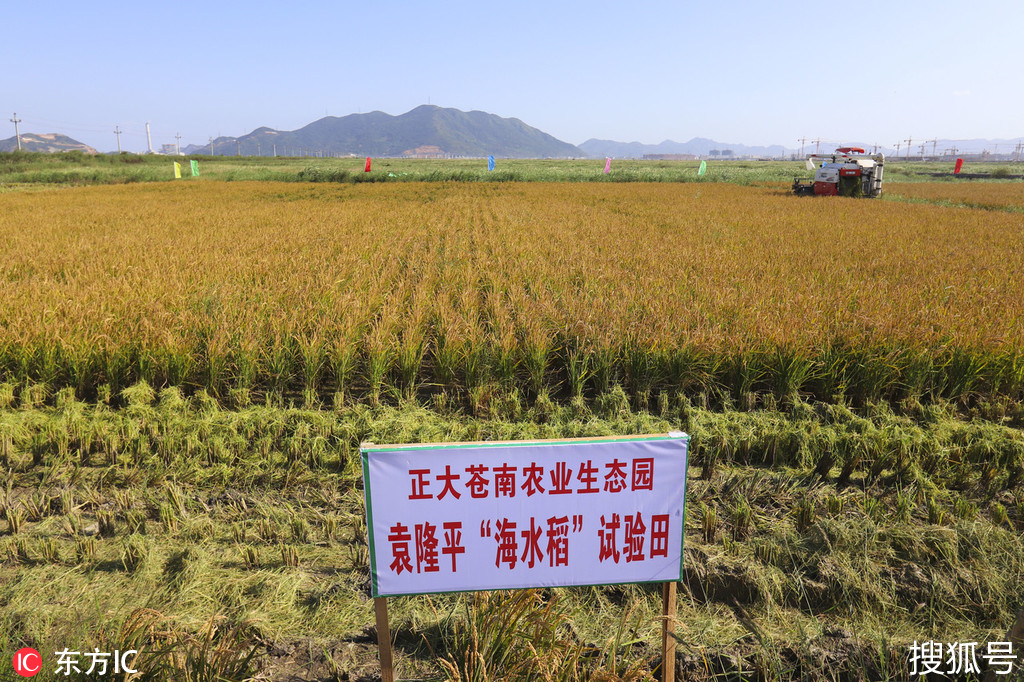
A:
970,194
187,371
378,291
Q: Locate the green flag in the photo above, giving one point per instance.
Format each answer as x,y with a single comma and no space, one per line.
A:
703,168
195,168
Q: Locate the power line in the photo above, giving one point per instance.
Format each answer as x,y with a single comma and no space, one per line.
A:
17,134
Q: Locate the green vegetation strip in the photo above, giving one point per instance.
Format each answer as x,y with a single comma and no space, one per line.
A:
820,539
78,168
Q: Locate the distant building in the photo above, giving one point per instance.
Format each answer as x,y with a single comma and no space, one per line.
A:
169,149
669,157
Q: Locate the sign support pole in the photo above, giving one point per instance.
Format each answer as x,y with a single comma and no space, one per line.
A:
380,610
668,628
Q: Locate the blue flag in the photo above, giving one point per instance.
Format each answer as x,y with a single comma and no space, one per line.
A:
490,163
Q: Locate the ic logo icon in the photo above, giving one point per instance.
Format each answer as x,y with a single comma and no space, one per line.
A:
27,662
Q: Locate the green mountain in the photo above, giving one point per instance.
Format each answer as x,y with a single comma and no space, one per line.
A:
46,142
424,131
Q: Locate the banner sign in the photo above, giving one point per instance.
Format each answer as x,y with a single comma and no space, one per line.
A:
484,516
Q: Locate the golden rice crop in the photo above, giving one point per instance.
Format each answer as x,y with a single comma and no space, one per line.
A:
964,192
568,288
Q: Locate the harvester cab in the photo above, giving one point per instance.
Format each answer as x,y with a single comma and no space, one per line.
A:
847,172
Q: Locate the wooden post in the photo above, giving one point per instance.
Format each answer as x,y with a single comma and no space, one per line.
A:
668,628
380,610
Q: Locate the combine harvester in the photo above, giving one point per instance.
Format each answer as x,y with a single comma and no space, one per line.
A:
848,172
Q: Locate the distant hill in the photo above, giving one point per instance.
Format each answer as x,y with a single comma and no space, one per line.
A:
699,146
424,131
46,142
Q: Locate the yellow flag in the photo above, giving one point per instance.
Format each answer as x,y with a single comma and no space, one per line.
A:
177,169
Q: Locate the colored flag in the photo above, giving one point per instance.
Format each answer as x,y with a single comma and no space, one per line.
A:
195,168
177,169
490,163
703,168
959,165
607,165
367,168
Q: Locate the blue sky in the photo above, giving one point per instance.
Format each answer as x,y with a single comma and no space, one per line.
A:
734,71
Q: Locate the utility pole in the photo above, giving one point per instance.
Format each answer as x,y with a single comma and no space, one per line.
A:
259,152
177,143
239,147
898,149
211,146
275,150
817,145
16,121
117,132
149,138
1017,150
909,140
801,141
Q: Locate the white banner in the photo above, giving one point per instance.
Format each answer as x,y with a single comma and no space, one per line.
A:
485,516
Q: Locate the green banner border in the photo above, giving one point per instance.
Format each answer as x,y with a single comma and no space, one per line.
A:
365,450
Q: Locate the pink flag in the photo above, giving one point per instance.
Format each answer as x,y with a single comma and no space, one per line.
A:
367,169
958,166
607,165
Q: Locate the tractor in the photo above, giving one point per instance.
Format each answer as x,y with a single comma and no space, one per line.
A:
847,172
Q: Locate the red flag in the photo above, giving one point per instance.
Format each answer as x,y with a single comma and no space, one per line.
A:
367,169
959,165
